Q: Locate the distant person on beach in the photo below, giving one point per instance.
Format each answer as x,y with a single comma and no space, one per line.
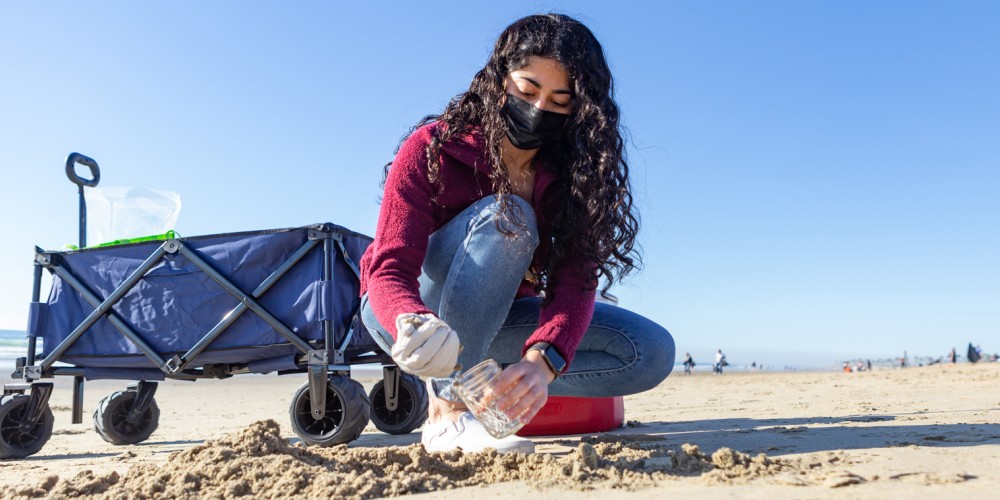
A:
688,363
720,362
952,356
972,354
501,218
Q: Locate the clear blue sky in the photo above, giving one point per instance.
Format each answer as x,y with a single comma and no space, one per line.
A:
818,177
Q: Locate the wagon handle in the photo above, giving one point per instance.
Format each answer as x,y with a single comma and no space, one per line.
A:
95,172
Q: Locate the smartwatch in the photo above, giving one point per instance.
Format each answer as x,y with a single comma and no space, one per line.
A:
551,356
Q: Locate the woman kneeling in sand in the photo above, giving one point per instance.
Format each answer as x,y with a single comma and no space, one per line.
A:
499,218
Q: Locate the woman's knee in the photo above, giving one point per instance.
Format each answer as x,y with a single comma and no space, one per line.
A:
657,352
519,229
665,353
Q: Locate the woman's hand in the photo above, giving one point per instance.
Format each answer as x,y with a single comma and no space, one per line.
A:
425,345
524,387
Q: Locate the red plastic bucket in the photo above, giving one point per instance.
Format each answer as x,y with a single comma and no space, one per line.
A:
564,415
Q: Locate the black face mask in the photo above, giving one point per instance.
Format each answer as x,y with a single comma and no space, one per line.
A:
529,127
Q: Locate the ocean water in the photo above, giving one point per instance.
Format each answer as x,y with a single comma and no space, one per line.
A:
13,345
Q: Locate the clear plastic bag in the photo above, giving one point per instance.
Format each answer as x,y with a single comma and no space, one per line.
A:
123,213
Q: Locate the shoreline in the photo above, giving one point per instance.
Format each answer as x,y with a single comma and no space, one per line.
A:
13,344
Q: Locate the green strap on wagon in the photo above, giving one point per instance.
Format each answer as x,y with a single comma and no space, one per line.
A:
169,235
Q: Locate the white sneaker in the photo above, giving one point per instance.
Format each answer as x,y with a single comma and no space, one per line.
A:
469,435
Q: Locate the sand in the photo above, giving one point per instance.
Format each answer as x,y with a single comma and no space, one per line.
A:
932,431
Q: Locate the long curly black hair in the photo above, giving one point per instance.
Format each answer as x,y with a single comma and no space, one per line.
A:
592,207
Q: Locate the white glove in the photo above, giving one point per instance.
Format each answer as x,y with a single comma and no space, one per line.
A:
425,346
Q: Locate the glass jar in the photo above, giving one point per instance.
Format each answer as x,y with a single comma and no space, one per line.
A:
475,387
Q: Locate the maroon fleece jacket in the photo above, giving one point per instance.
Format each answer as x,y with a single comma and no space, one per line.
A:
391,265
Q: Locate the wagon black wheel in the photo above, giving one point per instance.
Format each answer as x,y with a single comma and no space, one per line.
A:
346,416
16,442
111,419
411,406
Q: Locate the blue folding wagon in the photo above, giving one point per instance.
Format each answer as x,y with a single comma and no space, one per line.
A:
282,300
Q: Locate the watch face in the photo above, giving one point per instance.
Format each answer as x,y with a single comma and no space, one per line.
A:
555,358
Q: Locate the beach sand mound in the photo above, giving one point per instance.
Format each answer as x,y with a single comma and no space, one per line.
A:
258,462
